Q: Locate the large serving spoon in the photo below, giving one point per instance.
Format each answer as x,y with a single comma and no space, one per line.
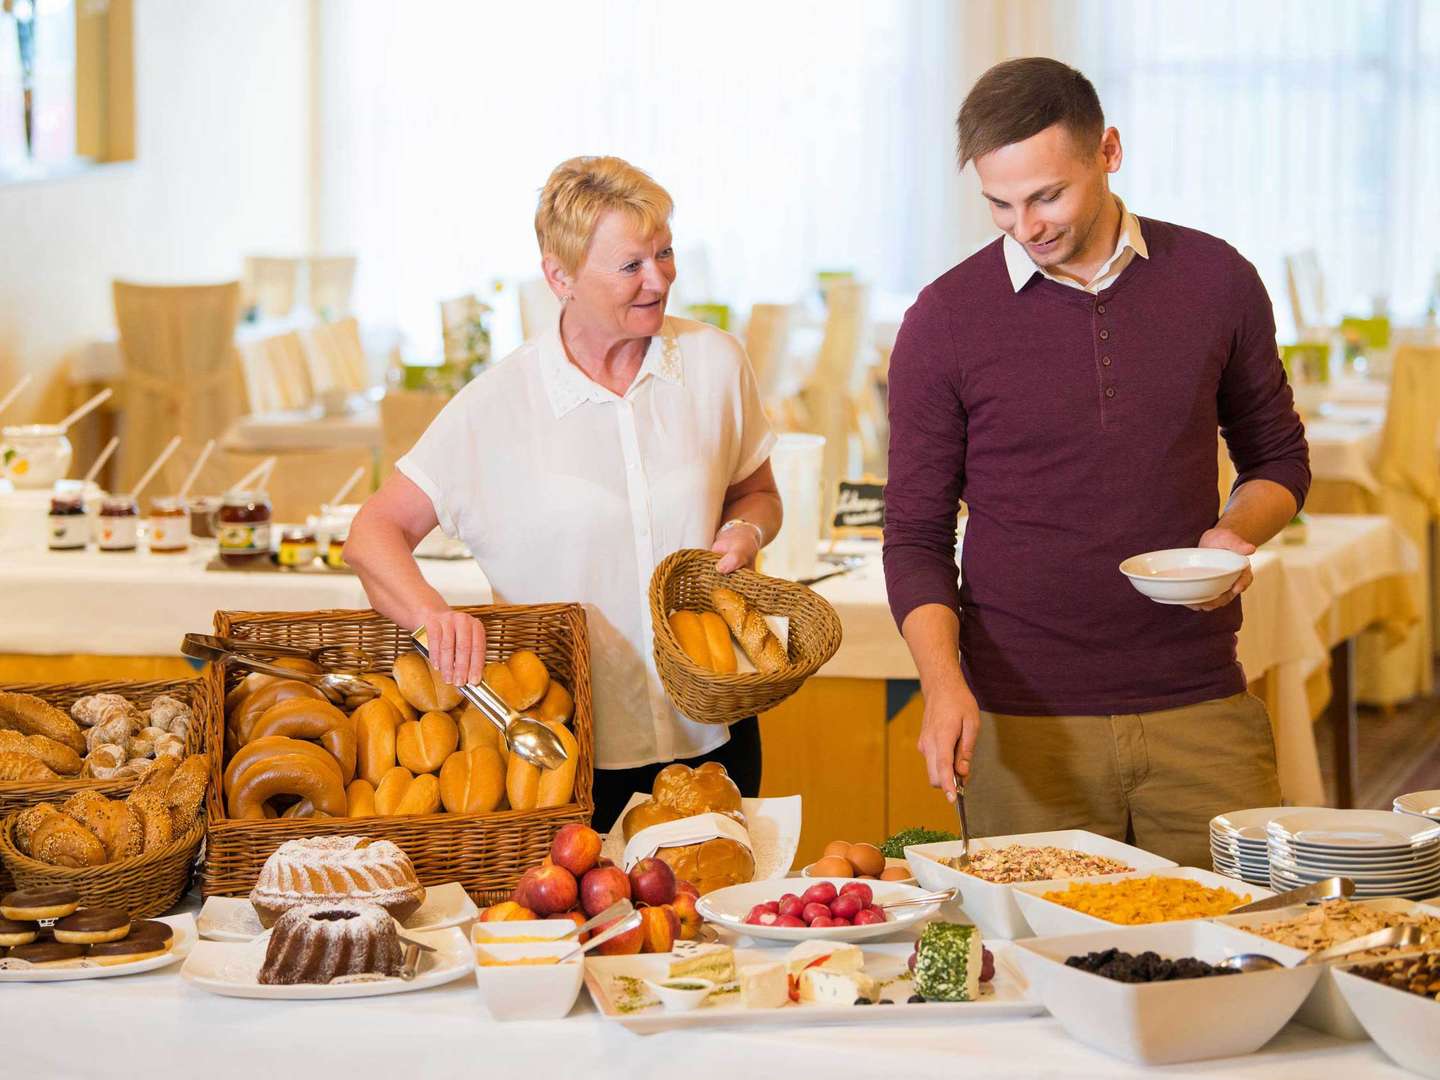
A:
1393,937
532,740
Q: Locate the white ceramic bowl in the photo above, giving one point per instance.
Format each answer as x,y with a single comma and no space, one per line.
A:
34,455
482,933
1325,1009
1404,1025
1168,1022
992,906
728,907
1048,917
1184,575
528,991
675,998
1417,802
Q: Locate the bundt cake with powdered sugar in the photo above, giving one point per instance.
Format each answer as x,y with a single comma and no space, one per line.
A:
321,942
321,868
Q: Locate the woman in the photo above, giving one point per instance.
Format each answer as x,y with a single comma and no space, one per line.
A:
577,463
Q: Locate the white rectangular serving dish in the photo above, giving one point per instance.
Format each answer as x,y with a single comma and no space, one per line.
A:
1404,1025
495,933
1048,917
528,991
1326,1008
1010,994
1166,1022
992,906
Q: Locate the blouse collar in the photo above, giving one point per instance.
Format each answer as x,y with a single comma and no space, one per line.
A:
568,387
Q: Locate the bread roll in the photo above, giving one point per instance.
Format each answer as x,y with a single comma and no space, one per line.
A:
522,783
17,766
557,785
391,790
285,774
58,757
185,792
303,809
112,823
423,745
685,625
644,814
718,644
62,841
399,793
530,676
27,821
421,685
502,680
390,691
477,730
375,726
472,782
750,630
30,715
300,718
360,799
156,822
557,704
696,791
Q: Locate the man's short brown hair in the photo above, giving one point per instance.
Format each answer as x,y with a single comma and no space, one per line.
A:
1020,98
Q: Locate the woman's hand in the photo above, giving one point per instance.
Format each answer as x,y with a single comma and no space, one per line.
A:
738,545
457,646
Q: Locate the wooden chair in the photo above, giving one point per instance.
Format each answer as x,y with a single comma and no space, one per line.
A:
270,286
332,280
181,372
277,377
335,357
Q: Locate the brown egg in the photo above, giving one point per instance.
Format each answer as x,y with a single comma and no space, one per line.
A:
838,849
832,866
895,873
866,858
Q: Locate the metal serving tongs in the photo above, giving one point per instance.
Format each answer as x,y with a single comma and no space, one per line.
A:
1330,888
532,740
964,823
341,689
344,657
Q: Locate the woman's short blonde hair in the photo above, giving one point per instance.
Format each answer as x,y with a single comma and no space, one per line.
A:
580,191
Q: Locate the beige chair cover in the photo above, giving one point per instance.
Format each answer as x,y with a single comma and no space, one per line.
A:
332,280
334,357
277,377
830,396
404,416
767,337
181,373
271,285
538,307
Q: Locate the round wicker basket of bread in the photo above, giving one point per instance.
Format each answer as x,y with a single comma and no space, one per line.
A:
687,581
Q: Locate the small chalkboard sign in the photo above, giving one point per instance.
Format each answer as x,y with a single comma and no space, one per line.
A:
859,508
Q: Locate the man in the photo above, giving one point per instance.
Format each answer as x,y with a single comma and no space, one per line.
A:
1066,382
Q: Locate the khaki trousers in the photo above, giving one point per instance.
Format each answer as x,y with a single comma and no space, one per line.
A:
1151,779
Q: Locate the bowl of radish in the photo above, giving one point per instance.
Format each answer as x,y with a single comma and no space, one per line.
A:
830,909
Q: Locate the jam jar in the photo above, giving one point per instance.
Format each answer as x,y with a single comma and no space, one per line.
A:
169,525
335,553
203,509
69,524
118,527
297,547
243,528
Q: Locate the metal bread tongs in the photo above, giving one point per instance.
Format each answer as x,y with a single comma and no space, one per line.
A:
344,690
964,824
532,740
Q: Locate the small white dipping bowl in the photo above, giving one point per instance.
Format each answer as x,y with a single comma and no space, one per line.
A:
1184,575
676,999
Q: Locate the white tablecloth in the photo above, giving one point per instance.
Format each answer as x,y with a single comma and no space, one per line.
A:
157,1025
138,604
304,429
1344,450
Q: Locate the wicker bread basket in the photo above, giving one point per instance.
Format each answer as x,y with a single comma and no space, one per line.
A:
684,580
146,885
485,853
18,794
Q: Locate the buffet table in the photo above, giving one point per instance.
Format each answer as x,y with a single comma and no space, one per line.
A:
175,1030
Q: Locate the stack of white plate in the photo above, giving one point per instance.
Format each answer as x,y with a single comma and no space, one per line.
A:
1384,854
1238,843
1424,804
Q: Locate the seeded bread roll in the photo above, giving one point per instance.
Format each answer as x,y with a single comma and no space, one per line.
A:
29,715
748,625
57,756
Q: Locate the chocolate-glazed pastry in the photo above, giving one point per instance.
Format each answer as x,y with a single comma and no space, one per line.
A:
128,949
46,952
90,926
45,902
151,928
18,931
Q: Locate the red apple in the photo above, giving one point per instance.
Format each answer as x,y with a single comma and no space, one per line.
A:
860,889
577,848
652,882
687,887
601,887
821,893
689,916
846,906
661,929
625,944
548,890
815,911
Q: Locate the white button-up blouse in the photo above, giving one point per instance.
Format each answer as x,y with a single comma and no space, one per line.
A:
565,492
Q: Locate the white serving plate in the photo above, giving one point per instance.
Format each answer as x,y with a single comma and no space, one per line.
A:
1380,864
1010,994
1404,1025
185,936
1325,1009
773,825
728,907
1168,1022
992,906
1249,826
1353,831
889,864
1417,802
233,918
1224,567
230,969
1048,917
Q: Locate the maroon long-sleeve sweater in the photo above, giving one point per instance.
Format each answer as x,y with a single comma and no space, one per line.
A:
1079,430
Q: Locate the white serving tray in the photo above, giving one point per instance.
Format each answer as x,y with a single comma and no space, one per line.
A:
1049,918
990,905
773,824
231,968
1010,994
233,918
185,937
728,908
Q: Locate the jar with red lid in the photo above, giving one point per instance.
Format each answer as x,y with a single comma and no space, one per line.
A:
243,528
169,526
118,526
